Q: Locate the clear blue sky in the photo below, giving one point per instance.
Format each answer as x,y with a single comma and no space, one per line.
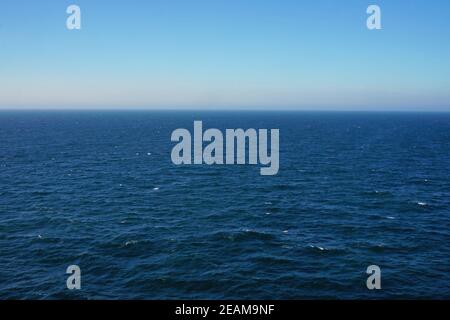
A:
225,54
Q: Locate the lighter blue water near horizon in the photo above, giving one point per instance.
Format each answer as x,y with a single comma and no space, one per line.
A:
98,189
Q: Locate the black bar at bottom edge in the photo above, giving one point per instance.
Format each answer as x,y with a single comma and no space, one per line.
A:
227,309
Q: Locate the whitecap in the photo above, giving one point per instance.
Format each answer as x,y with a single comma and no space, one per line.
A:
422,203
390,218
155,189
130,243
317,247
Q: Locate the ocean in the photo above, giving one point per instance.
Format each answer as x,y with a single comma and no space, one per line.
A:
98,189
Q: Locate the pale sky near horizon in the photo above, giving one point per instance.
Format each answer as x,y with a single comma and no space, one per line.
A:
225,54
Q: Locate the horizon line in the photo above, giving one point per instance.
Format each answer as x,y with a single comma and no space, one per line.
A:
217,109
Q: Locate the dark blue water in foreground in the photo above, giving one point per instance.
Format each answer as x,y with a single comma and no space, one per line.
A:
98,189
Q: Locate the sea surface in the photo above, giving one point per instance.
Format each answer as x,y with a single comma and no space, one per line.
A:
98,189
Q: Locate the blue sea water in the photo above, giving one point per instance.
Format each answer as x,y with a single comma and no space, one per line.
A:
99,190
